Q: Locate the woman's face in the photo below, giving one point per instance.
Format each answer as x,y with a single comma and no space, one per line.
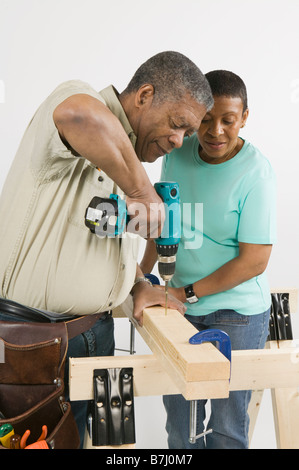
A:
219,130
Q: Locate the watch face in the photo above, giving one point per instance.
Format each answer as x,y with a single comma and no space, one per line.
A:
192,300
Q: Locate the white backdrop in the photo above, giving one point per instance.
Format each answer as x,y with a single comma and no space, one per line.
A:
44,42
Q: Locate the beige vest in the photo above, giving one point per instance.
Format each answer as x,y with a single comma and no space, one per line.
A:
48,257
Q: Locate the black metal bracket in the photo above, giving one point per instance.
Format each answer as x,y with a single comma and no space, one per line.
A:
113,421
280,327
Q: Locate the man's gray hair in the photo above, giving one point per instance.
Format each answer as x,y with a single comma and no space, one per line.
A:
172,74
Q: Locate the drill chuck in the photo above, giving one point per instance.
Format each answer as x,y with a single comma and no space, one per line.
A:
166,260
166,267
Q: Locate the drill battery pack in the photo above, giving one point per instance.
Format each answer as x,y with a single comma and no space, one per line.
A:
106,217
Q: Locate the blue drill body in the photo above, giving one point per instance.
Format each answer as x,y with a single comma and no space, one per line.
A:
167,243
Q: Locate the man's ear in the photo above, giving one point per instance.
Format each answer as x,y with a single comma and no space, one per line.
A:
144,95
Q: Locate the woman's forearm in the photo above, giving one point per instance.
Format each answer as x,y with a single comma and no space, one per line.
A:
251,262
149,258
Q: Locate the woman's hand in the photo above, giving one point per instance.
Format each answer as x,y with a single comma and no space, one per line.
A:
145,295
176,292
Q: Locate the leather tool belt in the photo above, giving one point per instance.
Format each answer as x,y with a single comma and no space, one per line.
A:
75,324
32,373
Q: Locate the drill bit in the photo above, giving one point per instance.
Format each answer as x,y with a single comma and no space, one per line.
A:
166,296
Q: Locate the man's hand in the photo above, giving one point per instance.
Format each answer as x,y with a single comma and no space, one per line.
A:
147,214
146,296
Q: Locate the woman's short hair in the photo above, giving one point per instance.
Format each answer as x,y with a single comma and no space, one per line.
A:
226,83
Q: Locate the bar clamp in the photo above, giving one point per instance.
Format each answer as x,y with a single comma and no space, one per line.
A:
223,343
221,339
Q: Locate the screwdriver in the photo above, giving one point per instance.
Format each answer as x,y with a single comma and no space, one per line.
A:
6,432
15,441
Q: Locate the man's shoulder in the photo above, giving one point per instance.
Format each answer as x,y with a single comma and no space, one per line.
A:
72,87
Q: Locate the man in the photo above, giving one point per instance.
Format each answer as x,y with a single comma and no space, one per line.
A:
80,144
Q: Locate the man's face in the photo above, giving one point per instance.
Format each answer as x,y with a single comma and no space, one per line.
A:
162,127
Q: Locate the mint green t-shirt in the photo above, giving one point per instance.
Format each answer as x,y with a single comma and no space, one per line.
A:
222,205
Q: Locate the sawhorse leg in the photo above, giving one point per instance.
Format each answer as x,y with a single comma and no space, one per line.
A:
285,401
88,444
253,410
285,404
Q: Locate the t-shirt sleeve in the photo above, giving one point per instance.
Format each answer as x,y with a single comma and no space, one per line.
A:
48,150
257,222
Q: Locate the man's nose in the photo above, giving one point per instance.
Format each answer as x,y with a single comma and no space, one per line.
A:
176,139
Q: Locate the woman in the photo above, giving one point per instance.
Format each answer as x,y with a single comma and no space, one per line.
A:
221,277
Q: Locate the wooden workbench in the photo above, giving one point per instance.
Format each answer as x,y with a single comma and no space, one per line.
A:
201,371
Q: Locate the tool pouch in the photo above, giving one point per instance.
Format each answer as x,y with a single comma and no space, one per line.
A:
32,382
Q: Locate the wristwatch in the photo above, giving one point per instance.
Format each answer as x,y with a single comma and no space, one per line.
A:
141,279
190,295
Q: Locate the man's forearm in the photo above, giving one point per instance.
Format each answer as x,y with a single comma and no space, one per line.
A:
93,131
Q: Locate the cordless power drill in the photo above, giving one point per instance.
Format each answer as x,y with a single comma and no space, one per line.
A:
108,217
168,242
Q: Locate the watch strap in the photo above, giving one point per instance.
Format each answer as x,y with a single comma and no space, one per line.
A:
141,279
190,295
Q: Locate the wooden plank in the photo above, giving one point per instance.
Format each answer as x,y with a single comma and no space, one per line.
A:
265,368
168,337
149,377
195,371
253,369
